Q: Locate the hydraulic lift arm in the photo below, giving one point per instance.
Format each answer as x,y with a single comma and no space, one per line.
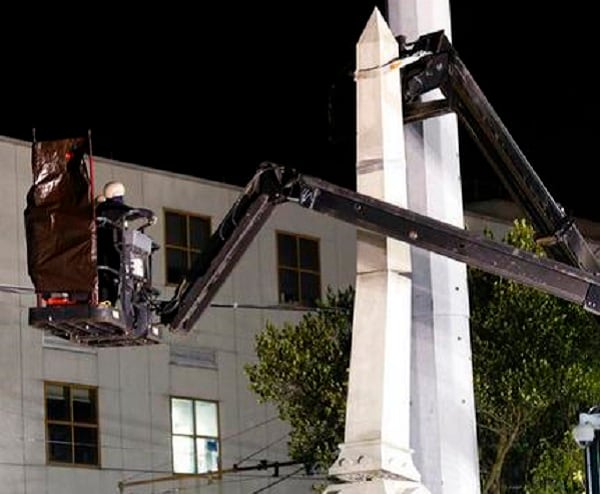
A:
431,63
233,236
438,66
273,185
434,64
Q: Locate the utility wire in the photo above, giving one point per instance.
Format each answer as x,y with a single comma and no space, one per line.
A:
252,427
15,289
263,465
262,449
279,480
239,433
22,290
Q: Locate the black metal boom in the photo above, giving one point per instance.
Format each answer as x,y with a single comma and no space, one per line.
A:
274,184
440,67
571,273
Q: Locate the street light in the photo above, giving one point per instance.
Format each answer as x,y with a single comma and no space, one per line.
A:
587,437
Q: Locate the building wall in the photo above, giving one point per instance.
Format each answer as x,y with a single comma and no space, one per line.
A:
135,384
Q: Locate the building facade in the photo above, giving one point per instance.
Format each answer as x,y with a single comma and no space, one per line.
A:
104,420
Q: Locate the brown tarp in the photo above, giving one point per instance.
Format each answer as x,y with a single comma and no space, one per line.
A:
59,219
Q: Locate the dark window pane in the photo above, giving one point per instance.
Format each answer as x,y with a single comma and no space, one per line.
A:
287,254
194,256
176,229
176,265
309,254
67,443
199,232
58,403
84,405
288,286
310,288
59,443
86,445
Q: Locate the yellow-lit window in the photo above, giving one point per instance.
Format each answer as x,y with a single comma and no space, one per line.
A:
195,435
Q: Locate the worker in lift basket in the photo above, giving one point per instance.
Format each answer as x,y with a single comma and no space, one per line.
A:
108,233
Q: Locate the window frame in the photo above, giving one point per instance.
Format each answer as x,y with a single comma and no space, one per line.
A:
216,473
188,250
72,425
298,269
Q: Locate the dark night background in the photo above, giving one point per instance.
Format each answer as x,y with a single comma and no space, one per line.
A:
213,93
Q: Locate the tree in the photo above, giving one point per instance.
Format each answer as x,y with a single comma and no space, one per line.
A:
303,369
536,365
559,469
535,362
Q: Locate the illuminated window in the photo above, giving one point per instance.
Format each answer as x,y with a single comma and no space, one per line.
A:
72,424
299,269
195,435
186,235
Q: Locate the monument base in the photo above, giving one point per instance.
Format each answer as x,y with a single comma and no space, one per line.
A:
379,486
370,460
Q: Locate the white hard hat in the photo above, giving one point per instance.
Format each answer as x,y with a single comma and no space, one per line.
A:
114,189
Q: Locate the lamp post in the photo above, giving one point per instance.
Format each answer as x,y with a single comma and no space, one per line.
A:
588,438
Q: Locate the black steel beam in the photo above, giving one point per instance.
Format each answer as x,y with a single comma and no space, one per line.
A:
442,68
548,275
231,239
275,184
414,112
215,270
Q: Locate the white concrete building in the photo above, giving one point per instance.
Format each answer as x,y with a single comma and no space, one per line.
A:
80,420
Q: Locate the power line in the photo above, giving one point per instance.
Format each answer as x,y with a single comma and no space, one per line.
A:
223,439
262,465
277,481
22,290
262,449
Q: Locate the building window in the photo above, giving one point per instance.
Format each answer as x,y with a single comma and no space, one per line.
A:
186,235
195,431
72,424
299,269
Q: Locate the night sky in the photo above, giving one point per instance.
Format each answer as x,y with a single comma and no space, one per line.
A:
214,93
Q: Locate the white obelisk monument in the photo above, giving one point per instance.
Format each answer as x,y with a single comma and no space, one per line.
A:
376,456
411,380
443,423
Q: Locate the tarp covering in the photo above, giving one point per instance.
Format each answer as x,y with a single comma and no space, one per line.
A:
59,218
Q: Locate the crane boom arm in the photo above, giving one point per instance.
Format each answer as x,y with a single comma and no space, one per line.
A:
438,66
434,64
274,185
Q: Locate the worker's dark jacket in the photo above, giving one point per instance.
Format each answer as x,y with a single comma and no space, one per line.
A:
109,240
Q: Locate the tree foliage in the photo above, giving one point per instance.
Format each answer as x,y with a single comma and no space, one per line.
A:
536,365
559,469
535,361
303,369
